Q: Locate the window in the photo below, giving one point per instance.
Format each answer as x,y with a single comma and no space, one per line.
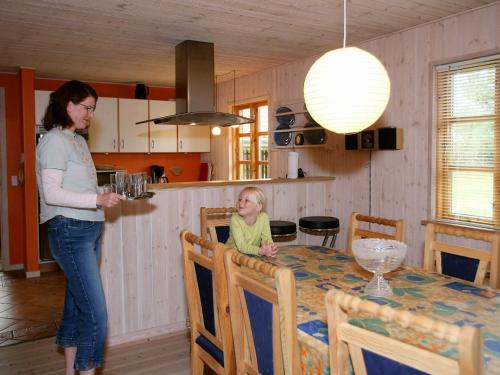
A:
251,143
468,148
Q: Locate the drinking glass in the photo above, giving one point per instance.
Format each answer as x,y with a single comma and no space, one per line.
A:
106,188
130,190
112,182
144,182
137,184
120,178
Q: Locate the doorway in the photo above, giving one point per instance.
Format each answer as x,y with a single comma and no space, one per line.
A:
4,223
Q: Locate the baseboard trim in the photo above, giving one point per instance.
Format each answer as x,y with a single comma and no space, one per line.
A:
49,267
32,274
12,267
147,334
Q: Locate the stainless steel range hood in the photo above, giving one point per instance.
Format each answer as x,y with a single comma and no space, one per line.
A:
194,88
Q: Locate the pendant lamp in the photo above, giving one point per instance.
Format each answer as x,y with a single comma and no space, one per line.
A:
347,89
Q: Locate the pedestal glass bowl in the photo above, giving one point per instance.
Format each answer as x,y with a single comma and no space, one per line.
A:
378,256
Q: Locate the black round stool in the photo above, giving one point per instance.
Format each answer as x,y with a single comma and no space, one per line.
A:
282,230
320,225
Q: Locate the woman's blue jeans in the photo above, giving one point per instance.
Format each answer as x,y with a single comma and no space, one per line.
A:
75,245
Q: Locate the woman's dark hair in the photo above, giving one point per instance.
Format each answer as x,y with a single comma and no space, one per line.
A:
56,113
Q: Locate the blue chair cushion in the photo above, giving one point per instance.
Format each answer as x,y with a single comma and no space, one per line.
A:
459,266
222,233
205,288
211,349
260,313
379,365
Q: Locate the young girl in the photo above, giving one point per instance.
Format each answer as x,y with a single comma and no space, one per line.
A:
249,231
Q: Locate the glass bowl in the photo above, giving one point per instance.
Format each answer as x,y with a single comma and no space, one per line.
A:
378,256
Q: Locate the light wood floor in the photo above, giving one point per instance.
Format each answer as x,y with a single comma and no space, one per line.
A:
163,355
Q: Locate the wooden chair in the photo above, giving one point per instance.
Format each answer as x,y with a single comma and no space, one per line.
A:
263,318
206,288
467,263
214,223
356,232
363,345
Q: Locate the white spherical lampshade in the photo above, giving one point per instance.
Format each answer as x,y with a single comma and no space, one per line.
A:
346,90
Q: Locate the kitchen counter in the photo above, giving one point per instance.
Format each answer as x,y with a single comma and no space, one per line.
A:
237,182
141,265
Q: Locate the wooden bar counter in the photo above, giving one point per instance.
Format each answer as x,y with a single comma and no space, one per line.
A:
141,263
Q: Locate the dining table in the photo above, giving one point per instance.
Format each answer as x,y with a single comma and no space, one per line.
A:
318,269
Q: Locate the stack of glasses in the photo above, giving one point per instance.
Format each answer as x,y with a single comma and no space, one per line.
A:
131,186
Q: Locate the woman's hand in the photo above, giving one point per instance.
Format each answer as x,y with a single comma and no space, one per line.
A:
108,199
269,250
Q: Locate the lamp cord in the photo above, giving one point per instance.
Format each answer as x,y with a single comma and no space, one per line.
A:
370,185
345,20
216,95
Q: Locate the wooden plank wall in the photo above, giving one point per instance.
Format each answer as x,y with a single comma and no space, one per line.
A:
141,263
395,184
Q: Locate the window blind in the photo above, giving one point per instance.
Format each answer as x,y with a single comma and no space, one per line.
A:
468,149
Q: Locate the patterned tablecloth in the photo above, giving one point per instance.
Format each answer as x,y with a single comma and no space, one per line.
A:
318,269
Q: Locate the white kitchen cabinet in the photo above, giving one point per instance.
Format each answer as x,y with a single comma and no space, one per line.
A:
41,102
133,138
162,138
103,129
193,138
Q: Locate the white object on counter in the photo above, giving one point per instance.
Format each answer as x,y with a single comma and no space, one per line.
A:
293,164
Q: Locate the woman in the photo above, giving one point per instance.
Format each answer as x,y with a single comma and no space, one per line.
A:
71,204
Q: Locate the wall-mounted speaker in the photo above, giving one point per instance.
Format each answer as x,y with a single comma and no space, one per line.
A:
390,138
351,141
368,140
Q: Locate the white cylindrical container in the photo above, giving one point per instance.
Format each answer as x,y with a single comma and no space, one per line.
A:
293,164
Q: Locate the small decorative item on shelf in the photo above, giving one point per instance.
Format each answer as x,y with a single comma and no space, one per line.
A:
282,138
285,119
295,127
299,139
314,137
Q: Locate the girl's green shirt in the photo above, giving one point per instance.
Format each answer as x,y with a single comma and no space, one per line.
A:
248,238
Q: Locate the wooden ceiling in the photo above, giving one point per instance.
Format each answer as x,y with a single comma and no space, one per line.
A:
132,41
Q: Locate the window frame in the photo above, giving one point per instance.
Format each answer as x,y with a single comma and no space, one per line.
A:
439,187
254,135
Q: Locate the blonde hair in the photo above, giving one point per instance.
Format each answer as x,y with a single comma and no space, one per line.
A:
258,195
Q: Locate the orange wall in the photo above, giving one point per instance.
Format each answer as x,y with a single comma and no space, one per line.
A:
190,163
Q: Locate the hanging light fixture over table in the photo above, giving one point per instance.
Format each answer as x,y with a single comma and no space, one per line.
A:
347,89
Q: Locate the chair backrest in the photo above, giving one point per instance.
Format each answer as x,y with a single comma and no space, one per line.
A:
207,297
263,316
388,353
214,223
459,261
356,232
